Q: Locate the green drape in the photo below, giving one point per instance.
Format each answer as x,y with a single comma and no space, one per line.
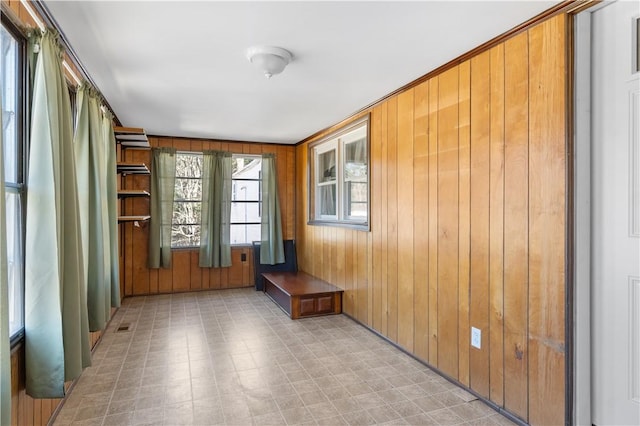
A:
5,354
215,231
163,178
271,245
56,341
109,140
91,152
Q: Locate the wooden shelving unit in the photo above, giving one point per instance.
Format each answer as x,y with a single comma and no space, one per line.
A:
125,193
132,168
140,218
131,137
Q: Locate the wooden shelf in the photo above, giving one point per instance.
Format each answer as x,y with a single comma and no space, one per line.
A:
126,193
132,168
122,219
131,137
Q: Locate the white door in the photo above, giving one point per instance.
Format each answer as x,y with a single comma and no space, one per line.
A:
615,215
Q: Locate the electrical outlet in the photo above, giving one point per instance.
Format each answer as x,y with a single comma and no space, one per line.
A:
476,337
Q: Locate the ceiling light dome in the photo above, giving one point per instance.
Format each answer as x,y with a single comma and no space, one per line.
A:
271,60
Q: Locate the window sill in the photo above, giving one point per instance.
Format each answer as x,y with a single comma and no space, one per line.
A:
358,226
197,248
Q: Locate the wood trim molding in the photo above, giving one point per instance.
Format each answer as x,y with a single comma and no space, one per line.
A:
566,6
219,140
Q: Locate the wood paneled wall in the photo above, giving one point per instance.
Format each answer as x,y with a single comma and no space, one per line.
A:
185,274
468,224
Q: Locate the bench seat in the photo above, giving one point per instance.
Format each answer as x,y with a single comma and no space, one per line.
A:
302,295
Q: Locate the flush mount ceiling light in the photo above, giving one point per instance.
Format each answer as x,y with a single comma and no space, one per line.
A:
271,60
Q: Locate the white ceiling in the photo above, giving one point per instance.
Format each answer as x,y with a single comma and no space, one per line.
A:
178,68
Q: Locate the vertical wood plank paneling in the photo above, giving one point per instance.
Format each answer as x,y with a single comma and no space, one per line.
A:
433,221
181,269
195,282
421,220
302,213
464,219
290,190
496,232
547,210
376,167
448,222
392,219
479,267
384,218
350,276
363,268
340,260
235,274
516,231
405,232
334,254
325,248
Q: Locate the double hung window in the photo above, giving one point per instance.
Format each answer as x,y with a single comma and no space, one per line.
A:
187,204
246,208
339,168
187,201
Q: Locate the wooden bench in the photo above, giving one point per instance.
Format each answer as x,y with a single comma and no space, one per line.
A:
302,295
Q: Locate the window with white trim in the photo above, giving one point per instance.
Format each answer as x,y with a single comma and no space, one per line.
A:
246,206
339,167
245,200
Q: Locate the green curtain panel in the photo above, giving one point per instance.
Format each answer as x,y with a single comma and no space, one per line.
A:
91,166
109,140
271,245
56,344
5,354
163,178
215,231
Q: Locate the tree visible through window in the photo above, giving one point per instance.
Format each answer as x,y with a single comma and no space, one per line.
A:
187,205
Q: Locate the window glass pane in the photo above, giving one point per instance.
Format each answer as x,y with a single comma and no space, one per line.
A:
185,235
188,189
246,167
186,212
245,190
355,154
245,212
9,65
14,260
327,166
327,200
356,200
246,186
245,234
189,165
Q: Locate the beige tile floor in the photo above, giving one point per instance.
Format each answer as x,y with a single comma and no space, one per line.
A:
233,357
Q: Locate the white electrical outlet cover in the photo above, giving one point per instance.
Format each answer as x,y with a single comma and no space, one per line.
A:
476,337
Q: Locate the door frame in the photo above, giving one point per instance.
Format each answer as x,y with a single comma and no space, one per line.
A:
580,399
581,225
